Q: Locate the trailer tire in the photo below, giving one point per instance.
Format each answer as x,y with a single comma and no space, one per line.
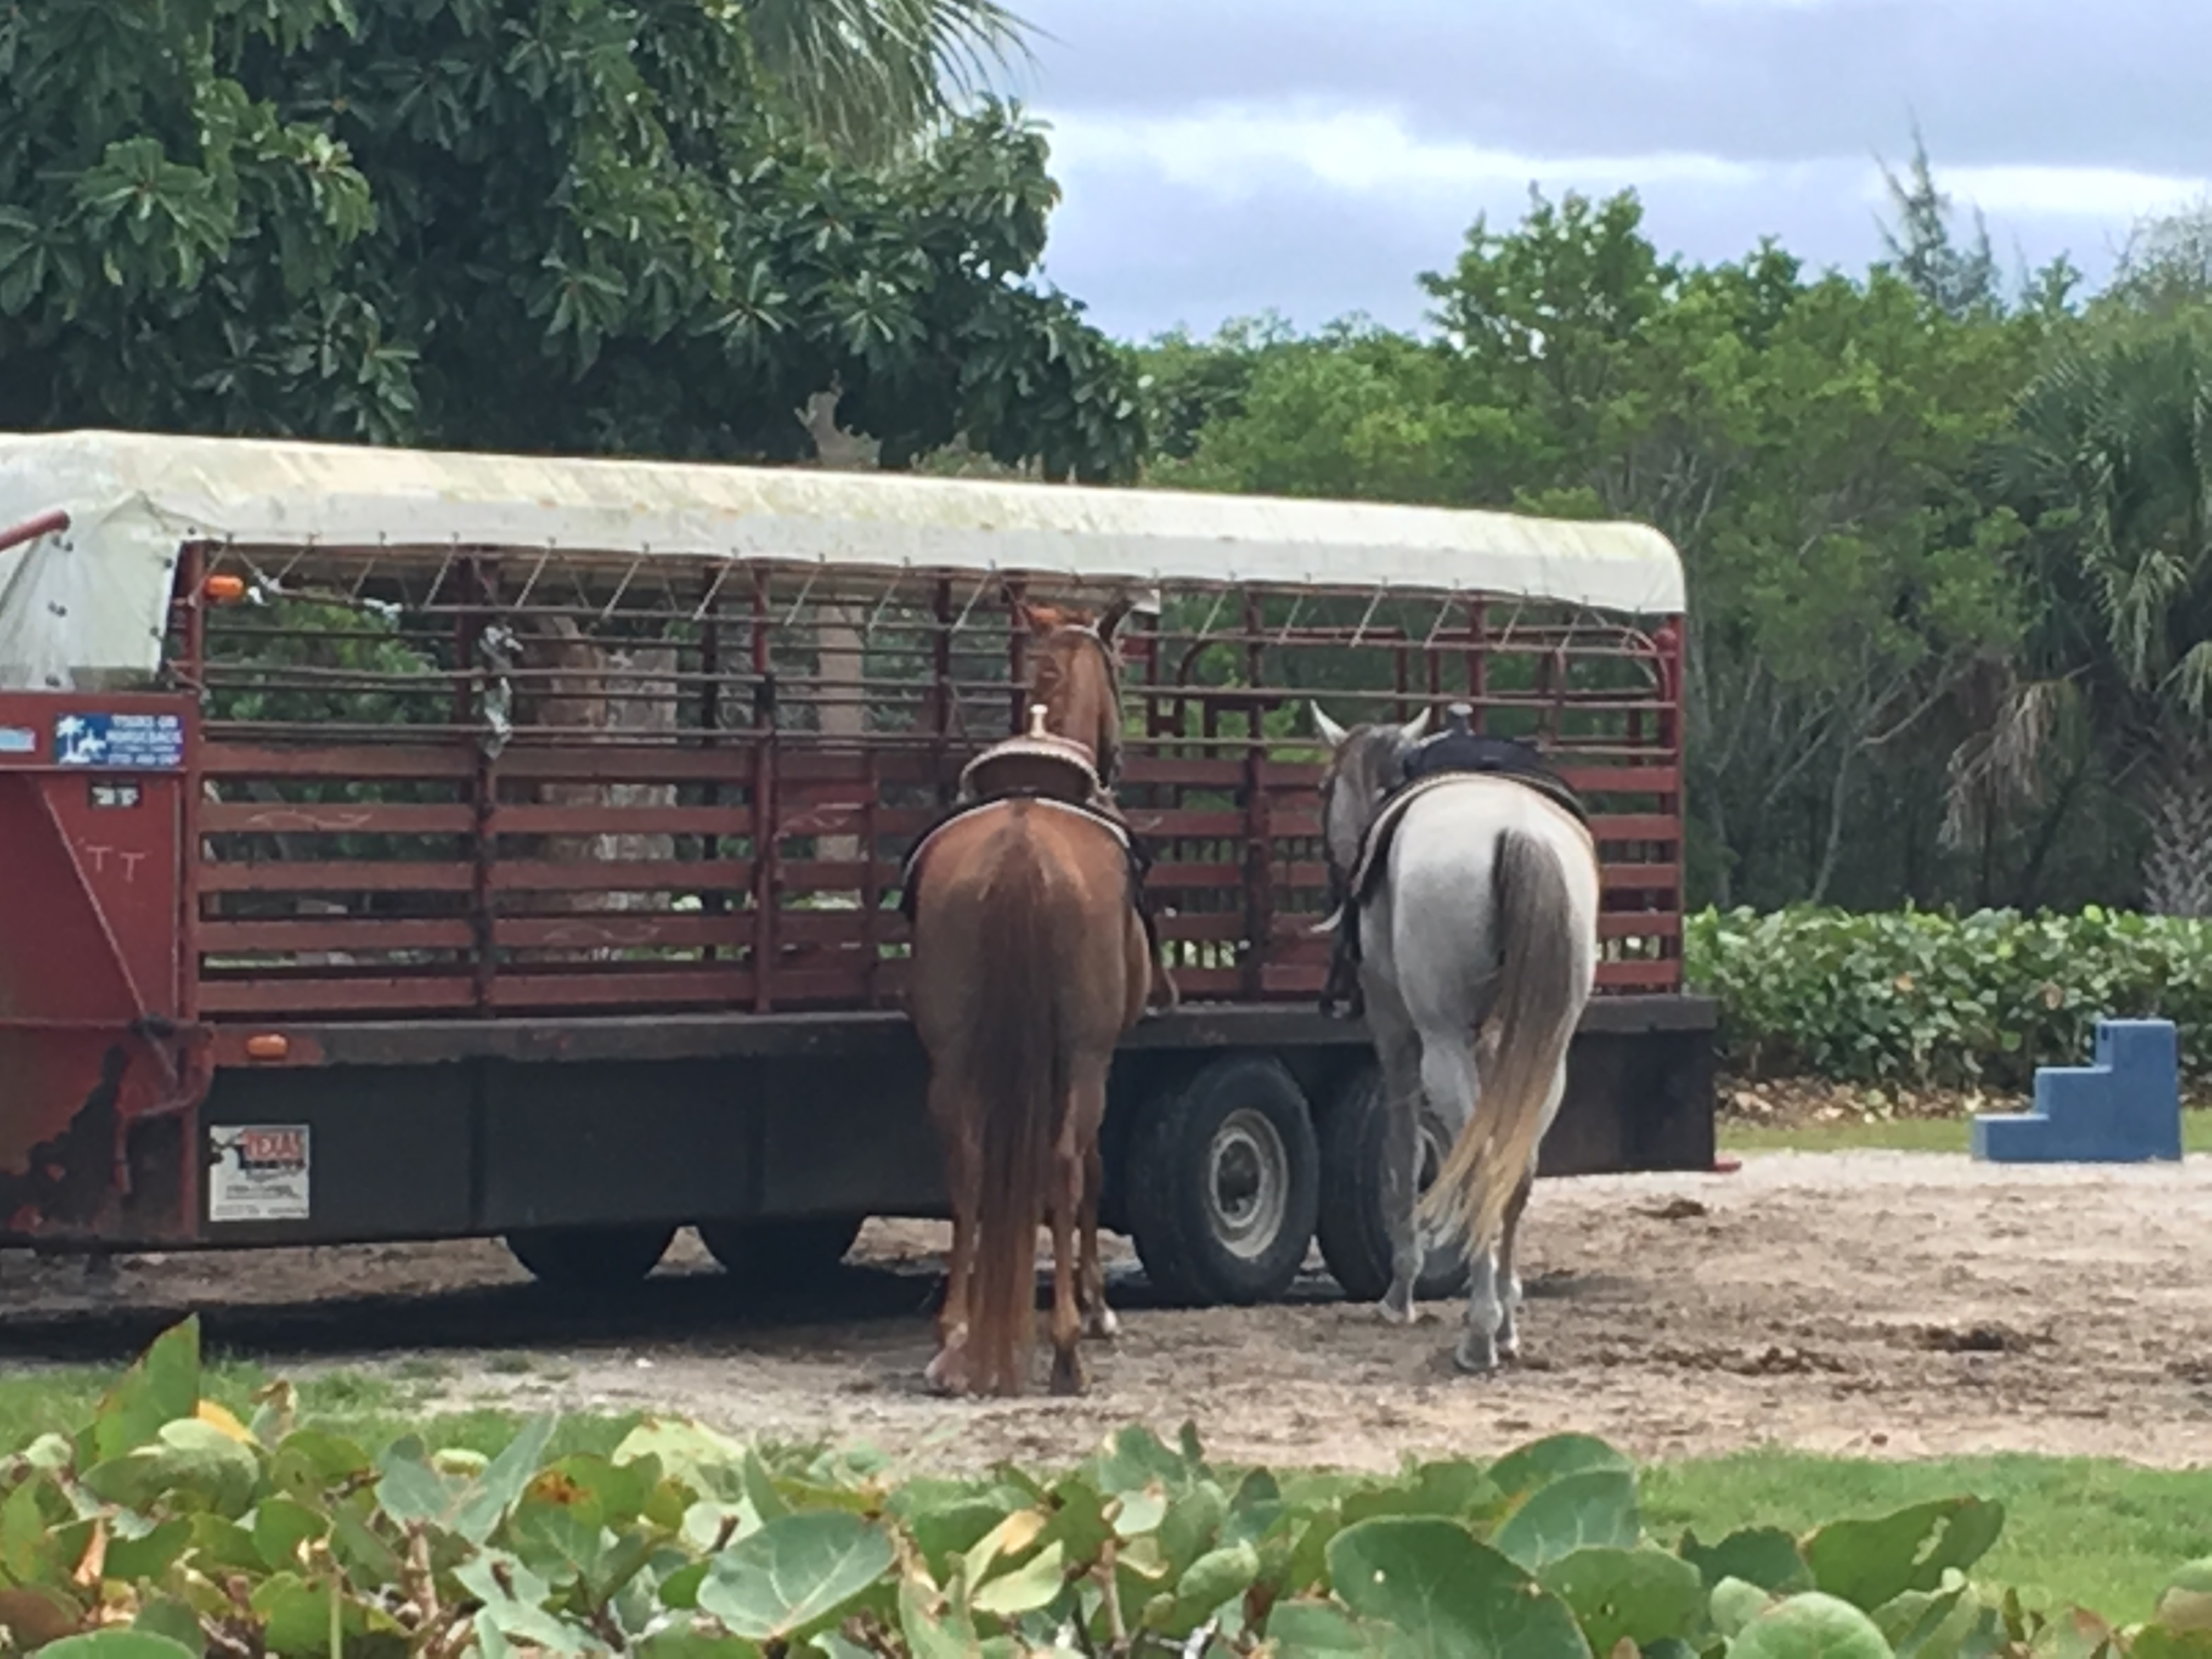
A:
767,1254
589,1260
1355,1240
1223,1184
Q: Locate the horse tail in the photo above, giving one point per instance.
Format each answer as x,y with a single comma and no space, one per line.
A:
1021,1087
1544,980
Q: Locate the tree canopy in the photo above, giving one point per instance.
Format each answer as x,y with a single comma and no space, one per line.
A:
539,225
1946,546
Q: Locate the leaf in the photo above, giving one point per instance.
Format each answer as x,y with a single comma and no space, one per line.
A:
117,1643
165,1615
280,1526
1594,1507
1429,1578
1296,1628
1764,1556
502,1484
220,1417
1542,1462
1867,1562
710,1463
1735,1603
514,1600
307,1462
794,1571
135,1560
160,1387
1034,1584
933,1630
189,1465
2155,1642
1215,1579
2186,1602
760,1487
1812,1625
1010,1537
1639,1595
296,1611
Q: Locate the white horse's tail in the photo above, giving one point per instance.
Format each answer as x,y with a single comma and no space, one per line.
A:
1543,982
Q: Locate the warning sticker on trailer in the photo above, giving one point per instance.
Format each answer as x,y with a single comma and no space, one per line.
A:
258,1172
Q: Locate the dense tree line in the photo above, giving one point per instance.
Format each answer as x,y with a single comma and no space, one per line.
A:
1947,535
1950,547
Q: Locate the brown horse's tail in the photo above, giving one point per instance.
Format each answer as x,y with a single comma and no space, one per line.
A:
1543,982
1020,1083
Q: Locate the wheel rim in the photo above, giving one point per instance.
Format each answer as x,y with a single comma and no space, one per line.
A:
1248,1184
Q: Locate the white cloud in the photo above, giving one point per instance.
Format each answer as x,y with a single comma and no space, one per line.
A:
1233,151
2083,192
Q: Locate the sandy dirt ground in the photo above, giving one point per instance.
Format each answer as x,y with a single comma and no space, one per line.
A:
1885,1304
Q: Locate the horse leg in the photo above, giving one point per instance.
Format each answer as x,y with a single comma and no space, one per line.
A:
1449,1079
1098,1318
1066,1205
947,1373
1508,1281
1398,1049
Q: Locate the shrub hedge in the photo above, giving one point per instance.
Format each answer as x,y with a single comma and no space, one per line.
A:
1923,996
168,1529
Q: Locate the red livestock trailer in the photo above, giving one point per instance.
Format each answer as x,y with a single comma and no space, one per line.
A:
399,845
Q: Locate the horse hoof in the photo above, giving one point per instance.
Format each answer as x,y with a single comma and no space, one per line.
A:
1393,1312
1104,1326
1066,1374
945,1375
1476,1358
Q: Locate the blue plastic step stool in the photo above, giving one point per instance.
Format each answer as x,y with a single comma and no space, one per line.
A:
2124,1107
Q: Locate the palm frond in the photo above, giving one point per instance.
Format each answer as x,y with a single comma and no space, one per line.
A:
870,77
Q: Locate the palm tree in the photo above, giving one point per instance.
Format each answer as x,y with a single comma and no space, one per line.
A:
2109,465
871,77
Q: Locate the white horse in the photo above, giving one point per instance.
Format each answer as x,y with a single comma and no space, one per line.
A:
1482,911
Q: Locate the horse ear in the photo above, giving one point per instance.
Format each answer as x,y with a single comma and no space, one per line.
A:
1331,733
1113,616
1041,619
1416,728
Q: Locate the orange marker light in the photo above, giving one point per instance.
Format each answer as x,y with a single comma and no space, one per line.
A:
224,590
268,1045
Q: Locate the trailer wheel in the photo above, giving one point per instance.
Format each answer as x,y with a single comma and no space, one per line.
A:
772,1253
1355,1241
1223,1181
588,1259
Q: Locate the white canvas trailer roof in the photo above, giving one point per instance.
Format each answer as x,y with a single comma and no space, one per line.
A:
89,605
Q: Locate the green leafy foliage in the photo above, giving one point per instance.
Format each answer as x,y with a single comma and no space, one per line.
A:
501,224
1921,996
167,1527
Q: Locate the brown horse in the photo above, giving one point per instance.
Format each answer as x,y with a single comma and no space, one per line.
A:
1031,961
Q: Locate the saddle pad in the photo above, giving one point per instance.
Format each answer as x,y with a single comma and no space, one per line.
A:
1120,831
1374,848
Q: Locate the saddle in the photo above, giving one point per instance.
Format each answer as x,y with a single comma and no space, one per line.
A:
1056,773
1452,755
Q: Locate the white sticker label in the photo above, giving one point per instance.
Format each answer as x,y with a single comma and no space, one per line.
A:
259,1172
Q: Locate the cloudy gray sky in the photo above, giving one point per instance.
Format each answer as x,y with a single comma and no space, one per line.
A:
1224,157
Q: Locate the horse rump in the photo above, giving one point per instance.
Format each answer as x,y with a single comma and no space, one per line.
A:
1543,981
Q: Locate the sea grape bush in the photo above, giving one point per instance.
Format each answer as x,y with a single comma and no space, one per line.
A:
167,1527
1921,996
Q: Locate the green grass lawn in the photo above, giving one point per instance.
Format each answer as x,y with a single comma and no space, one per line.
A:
2082,1532
1901,1134
2101,1534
